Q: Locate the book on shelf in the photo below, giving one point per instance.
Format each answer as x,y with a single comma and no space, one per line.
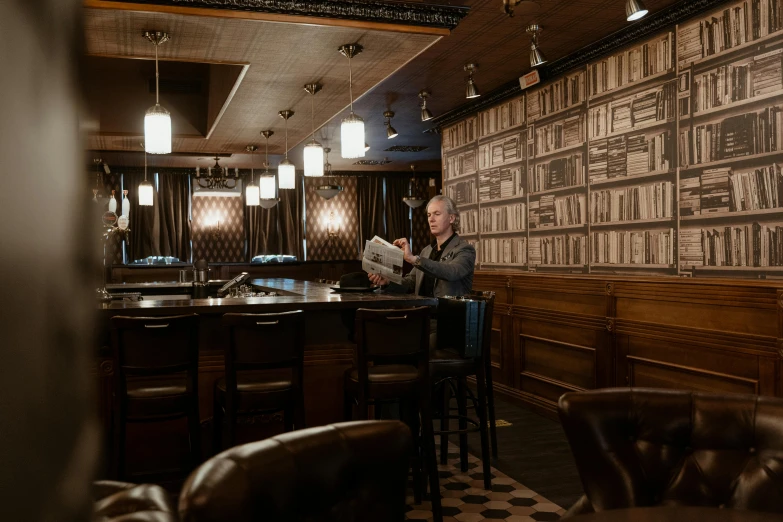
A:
724,190
690,248
554,211
690,196
468,221
504,116
565,92
629,155
633,111
733,137
637,63
559,134
728,28
504,250
504,218
460,134
626,247
568,171
460,164
503,182
502,151
753,245
475,244
653,201
565,249
462,192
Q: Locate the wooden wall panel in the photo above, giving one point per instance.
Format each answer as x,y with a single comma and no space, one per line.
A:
656,374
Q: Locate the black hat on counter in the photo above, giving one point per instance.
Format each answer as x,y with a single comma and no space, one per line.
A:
355,281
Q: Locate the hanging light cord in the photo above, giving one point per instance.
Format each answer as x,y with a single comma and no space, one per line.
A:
286,138
350,82
266,163
312,113
157,76
145,164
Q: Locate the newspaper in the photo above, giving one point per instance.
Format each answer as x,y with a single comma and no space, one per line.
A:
382,258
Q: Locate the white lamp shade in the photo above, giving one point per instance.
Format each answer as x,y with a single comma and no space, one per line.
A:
266,187
352,137
145,194
268,203
252,195
286,175
313,159
157,131
328,191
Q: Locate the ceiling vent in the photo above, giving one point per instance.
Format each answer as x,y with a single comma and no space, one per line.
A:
406,148
384,161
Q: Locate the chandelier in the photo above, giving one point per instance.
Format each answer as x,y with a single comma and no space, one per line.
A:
414,199
328,190
217,177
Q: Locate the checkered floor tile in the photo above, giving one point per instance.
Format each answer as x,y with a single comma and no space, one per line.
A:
465,500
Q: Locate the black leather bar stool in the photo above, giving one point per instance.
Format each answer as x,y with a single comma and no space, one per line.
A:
392,365
490,298
450,366
264,368
156,378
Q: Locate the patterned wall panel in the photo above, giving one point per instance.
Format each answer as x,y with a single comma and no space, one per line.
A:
344,205
227,245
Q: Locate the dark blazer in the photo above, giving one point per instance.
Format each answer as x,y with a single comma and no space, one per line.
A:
453,273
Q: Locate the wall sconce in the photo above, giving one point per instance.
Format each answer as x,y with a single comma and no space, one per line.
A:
332,223
212,227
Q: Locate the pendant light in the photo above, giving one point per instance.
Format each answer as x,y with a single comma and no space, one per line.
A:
266,182
252,193
145,187
352,128
313,151
391,132
157,121
425,112
471,91
634,10
286,172
328,190
536,57
413,200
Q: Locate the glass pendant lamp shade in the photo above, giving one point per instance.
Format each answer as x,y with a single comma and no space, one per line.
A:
157,130
252,195
266,186
313,159
145,193
634,10
352,137
286,174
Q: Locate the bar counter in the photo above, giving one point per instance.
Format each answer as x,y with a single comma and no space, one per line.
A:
329,348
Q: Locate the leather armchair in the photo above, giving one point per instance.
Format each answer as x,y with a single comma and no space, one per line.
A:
126,502
648,447
346,471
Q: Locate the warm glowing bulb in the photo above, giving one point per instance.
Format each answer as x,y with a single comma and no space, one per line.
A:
352,137
252,195
145,194
266,187
286,175
157,130
313,159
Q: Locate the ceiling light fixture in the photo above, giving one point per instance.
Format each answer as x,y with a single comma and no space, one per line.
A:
425,112
217,177
634,10
536,57
313,151
328,190
286,172
252,192
145,187
471,91
266,182
414,199
352,128
391,132
157,120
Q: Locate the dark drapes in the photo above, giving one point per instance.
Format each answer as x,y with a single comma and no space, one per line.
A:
144,221
174,216
263,236
290,213
277,230
398,223
369,195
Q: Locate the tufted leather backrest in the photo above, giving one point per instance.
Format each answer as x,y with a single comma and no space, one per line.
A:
647,447
352,471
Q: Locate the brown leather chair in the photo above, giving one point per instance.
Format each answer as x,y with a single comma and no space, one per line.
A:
125,502
264,367
651,447
156,378
347,471
392,366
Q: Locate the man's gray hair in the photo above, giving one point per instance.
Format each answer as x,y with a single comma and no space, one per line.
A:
451,208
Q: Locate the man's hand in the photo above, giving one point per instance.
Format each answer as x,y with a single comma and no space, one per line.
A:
378,280
406,249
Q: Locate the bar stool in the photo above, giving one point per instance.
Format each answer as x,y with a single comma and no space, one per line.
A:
489,296
156,365
392,365
261,342
449,364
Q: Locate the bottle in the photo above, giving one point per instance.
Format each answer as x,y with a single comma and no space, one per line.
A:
112,203
125,203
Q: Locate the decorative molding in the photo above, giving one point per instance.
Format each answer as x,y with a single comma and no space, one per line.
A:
657,22
609,289
384,161
406,148
610,324
441,16
107,367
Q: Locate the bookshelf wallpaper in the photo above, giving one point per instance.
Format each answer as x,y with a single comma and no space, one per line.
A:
663,158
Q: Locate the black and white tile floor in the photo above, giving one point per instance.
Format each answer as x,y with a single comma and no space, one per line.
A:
465,500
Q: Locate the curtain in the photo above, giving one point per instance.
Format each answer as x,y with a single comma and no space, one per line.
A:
369,192
290,219
173,215
144,221
398,223
263,236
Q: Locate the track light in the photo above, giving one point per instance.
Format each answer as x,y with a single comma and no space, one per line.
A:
391,132
634,10
536,56
472,90
425,112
